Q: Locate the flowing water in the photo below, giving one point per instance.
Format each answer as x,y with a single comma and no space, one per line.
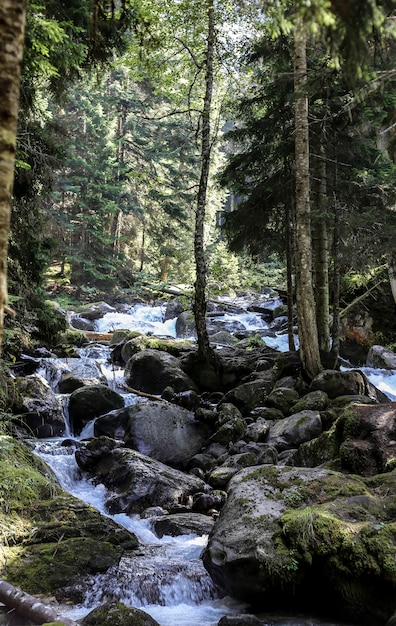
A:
169,581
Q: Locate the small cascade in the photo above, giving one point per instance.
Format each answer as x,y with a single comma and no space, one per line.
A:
167,576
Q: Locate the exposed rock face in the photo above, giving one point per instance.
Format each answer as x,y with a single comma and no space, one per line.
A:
292,537
152,371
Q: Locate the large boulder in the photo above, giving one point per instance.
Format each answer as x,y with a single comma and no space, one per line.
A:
164,431
89,402
380,357
152,371
291,431
51,541
135,481
362,440
249,395
349,382
310,540
114,613
38,408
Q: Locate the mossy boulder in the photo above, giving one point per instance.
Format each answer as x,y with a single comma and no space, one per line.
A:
117,614
50,538
310,540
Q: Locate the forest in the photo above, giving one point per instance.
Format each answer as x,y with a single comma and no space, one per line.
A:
160,155
217,147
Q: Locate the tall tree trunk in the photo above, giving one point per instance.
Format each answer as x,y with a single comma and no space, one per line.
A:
289,269
306,316
12,27
205,352
321,255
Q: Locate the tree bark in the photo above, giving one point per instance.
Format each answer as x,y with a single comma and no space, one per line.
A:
289,269
321,255
392,273
29,607
12,27
306,316
205,352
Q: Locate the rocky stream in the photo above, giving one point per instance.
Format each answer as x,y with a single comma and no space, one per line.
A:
253,498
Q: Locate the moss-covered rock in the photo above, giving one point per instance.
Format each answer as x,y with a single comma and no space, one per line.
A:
117,614
308,539
50,539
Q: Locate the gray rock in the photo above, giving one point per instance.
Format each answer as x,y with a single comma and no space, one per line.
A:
91,401
164,431
135,481
39,409
294,430
381,357
152,371
182,524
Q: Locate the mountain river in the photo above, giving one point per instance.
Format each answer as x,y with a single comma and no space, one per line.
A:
169,582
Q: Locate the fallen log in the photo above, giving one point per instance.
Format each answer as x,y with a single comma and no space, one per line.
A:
29,606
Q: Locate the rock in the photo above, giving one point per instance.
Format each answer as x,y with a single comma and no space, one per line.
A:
112,424
185,325
38,408
152,371
80,374
182,524
135,481
291,431
91,401
239,620
282,398
308,539
223,338
312,401
70,540
164,431
380,357
96,311
368,438
221,476
251,394
80,323
350,382
362,440
257,431
115,614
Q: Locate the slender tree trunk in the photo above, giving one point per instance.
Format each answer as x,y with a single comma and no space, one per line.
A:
321,256
12,27
307,328
335,329
204,350
392,273
289,269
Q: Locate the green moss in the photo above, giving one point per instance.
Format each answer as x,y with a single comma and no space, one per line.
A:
46,568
